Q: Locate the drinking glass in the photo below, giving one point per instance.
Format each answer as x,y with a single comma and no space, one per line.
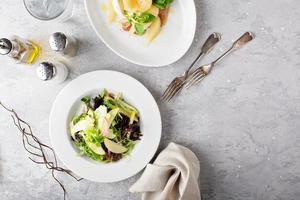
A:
50,10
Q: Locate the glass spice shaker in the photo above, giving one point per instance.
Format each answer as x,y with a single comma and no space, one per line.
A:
66,45
21,50
55,72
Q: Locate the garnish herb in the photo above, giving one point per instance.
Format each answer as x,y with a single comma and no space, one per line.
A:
145,18
78,118
162,4
138,21
139,29
85,100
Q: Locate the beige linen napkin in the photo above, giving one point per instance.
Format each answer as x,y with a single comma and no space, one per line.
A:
173,176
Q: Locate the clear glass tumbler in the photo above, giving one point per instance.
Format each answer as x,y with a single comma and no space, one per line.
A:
50,10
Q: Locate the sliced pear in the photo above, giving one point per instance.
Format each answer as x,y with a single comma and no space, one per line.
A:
111,134
101,112
118,7
82,125
130,5
153,30
153,10
132,117
114,147
144,5
111,12
98,150
109,118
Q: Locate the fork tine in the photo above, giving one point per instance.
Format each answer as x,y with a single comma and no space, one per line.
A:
174,92
200,79
177,92
171,93
168,89
192,77
189,81
197,80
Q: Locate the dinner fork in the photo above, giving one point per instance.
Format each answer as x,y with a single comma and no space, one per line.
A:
178,82
201,72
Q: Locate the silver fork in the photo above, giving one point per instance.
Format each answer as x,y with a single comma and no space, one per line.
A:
178,82
201,72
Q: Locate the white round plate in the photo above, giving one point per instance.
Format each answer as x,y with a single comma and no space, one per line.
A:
170,45
66,105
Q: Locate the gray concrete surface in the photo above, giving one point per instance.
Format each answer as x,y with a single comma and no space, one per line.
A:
243,121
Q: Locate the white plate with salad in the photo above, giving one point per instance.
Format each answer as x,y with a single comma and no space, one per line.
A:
145,32
105,126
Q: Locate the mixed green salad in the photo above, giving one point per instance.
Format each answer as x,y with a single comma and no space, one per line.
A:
107,127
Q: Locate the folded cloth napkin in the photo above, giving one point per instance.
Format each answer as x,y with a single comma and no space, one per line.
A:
173,176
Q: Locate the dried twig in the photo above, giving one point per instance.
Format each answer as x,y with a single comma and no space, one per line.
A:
37,149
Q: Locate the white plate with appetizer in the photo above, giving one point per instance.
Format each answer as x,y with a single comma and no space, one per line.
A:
145,32
105,126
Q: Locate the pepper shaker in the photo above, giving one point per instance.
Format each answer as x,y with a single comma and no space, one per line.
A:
66,45
52,72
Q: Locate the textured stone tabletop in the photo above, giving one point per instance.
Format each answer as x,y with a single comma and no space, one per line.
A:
243,121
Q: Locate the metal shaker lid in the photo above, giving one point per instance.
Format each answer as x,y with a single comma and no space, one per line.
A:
5,46
58,41
46,71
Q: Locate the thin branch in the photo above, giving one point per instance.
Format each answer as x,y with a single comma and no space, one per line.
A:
37,150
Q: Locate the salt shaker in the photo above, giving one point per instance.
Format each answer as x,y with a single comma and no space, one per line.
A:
52,72
66,45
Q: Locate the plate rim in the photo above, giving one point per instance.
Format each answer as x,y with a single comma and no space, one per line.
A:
137,62
114,179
